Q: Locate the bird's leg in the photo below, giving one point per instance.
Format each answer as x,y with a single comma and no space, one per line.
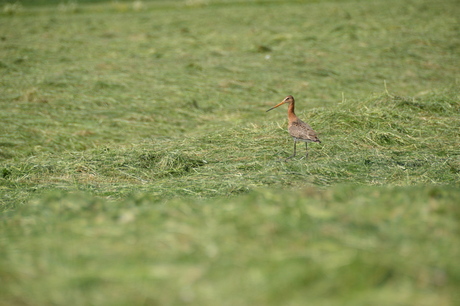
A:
295,144
306,149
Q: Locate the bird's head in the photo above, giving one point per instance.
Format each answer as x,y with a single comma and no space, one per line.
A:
288,99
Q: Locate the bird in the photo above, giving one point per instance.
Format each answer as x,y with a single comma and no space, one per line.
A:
299,130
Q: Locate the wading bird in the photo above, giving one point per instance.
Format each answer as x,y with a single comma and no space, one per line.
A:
299,130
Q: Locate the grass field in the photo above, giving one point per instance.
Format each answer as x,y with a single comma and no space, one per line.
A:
138,165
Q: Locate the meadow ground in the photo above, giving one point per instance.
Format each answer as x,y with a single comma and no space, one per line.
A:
138,165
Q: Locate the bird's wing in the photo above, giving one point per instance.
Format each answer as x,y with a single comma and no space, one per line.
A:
302,130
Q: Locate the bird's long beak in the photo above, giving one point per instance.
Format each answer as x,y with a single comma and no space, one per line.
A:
281,103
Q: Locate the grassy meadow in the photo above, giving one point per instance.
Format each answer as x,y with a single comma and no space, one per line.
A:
138,165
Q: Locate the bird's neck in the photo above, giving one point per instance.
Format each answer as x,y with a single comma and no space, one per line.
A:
291,114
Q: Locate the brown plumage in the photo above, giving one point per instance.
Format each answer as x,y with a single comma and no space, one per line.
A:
299,130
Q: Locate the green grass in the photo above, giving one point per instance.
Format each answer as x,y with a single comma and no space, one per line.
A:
138,165
344,246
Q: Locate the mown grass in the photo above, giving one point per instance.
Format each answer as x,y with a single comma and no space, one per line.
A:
392,140
138,165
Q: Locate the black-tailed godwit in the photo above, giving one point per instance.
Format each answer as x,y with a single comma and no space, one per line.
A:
299,130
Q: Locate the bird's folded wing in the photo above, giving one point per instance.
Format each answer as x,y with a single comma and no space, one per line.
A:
302,131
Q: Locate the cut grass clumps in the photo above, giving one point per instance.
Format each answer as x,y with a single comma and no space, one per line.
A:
107,163
388,121
373,141
169,163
